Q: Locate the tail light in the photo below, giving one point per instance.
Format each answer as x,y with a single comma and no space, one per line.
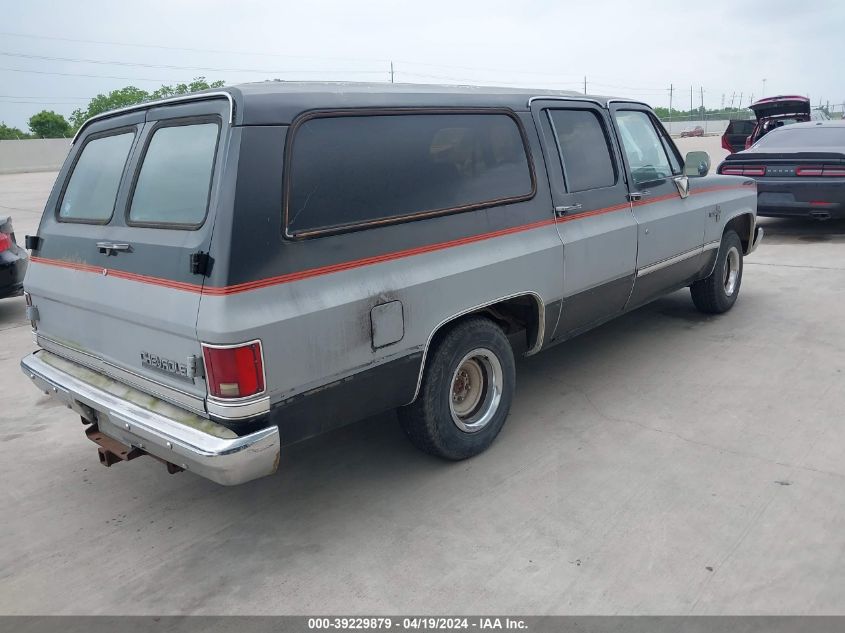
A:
743,170
234,371
726,145
820,170
5,242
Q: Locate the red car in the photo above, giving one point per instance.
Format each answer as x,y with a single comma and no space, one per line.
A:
696,131
770,113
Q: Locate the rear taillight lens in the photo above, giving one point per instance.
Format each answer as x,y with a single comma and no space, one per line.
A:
744,170
5,242
809,171
726,145
234,371
820,170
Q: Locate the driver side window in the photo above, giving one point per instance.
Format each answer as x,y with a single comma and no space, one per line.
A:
643,147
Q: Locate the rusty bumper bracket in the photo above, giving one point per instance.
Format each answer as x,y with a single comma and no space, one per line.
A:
111,451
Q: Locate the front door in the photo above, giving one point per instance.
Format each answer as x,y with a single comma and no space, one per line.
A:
593,213
670,226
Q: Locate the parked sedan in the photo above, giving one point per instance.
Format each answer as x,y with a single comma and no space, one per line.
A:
799,169
13,261
696,131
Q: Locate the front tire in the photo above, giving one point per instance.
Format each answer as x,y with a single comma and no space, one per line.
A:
466,392
717,293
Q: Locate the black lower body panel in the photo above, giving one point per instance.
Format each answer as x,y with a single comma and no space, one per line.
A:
372,391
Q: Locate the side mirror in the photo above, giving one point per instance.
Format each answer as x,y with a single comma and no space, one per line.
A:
697,164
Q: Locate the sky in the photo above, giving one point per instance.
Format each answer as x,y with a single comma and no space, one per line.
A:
57,55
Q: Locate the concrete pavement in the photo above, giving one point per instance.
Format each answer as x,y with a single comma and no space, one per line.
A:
667,462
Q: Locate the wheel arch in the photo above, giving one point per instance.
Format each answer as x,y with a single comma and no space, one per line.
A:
509,309
743,222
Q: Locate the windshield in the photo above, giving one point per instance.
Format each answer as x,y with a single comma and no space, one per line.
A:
832,137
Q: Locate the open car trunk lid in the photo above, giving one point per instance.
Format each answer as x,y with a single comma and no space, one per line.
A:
781,106
116,274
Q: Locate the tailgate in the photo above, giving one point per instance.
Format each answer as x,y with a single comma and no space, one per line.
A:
112,278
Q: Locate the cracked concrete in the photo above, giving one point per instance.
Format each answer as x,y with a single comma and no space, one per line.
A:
667,462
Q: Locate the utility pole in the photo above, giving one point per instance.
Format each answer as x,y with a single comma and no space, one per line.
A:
671,90
740,99
585,84
764,87
723,101
733,96
701,91
391,71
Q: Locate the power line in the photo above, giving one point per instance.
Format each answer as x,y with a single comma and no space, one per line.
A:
45,72
174,67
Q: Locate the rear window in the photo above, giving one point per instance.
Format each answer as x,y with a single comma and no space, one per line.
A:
804,138
92,189
350,171
174,183
740,127
583,145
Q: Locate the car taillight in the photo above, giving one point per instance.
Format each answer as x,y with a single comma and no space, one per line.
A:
745,170
234,371
5,242
820,170
726,145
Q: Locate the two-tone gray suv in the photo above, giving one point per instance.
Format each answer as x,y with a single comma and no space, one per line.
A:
220,275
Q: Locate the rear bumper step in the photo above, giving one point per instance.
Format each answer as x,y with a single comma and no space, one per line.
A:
225,460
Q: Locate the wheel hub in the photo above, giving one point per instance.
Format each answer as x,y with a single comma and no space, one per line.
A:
731,270
476,390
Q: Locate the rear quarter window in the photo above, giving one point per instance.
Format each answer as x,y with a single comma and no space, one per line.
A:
91,190
174,181
356,171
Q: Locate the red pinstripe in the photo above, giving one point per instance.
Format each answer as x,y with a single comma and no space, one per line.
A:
358,263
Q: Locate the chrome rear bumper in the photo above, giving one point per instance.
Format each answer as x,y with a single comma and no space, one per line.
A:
218,455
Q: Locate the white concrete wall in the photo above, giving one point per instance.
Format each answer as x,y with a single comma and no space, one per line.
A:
711,126
45,154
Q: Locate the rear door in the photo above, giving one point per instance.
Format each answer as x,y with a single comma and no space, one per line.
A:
670,227
593,213
112,277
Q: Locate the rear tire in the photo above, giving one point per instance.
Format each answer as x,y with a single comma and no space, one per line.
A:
717,293
466,392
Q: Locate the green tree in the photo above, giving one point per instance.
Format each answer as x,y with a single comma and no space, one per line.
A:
48,124
8,133
130,95
199,83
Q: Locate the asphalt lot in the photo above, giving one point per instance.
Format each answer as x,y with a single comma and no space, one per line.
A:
667,462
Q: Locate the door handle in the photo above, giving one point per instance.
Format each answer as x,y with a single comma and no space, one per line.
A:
109,248
638,195
567,208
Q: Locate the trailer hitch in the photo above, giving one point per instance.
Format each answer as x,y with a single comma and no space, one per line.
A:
110,451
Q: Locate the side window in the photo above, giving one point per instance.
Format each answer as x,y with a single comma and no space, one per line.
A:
174,183
677,166
351,171
585,153
643,147
92,189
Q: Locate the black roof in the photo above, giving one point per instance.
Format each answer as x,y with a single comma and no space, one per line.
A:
279,102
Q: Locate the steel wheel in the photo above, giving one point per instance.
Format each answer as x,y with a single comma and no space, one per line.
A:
476,390
731,270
